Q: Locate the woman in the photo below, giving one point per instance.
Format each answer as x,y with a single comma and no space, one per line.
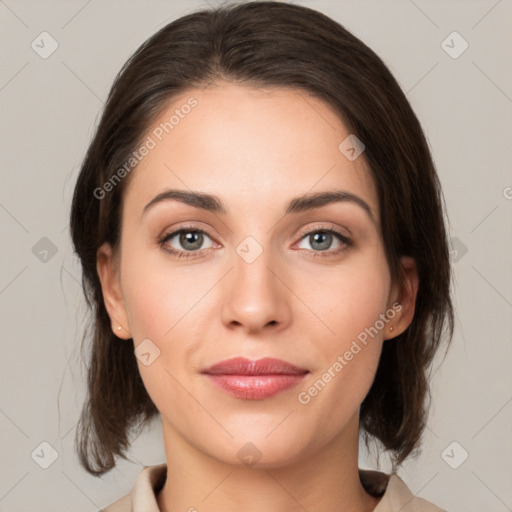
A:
260,226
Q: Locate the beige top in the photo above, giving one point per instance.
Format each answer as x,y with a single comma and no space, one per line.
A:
396,496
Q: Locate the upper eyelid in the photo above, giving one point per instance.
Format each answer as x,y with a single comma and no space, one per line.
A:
329,226
173,232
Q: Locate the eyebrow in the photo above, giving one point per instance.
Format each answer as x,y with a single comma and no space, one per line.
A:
299,204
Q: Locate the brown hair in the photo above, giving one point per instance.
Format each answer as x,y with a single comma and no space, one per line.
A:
264,44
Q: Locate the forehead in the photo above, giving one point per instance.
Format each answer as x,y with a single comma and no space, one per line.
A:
247,146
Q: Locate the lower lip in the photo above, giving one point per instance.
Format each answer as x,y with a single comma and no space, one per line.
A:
255,387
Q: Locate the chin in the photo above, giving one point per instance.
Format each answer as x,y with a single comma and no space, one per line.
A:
259,451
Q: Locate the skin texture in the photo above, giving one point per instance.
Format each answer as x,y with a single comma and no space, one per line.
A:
255,149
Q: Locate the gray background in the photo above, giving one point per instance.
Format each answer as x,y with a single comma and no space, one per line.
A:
49,109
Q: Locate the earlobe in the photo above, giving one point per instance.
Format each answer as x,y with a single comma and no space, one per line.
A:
406,298
107,267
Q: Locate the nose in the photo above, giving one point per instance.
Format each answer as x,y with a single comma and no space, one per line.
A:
256,297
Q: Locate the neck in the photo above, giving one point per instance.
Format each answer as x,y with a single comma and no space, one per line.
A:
326,479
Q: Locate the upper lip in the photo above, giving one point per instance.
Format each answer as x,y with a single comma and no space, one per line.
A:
264,366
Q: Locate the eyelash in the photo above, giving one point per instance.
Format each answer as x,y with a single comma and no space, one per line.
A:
346,242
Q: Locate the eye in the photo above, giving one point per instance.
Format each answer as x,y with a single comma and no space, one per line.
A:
186,242
321,240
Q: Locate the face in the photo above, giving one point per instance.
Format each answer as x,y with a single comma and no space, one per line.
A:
194,285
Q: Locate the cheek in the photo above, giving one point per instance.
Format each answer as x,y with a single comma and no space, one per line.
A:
348,340
160,308
158,298
167,306
348,298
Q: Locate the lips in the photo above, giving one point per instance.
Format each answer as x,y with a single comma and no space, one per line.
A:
243,366
254,380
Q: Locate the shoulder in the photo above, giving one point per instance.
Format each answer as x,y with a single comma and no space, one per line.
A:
142,497
394,493
123,504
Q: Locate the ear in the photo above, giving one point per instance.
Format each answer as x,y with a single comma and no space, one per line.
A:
406,297
107,266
